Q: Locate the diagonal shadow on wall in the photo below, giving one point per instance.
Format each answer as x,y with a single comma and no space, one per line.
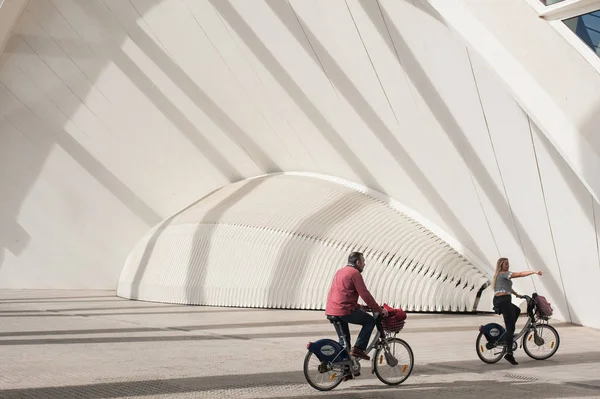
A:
253,42
26,134
386,28
293,258
94,167
390,142
151,244
183,81
13,237
202,237
197,268
16,184
43,143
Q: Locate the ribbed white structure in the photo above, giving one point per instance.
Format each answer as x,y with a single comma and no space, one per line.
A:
277,240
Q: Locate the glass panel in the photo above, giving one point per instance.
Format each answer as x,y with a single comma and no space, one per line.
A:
550,2
587,27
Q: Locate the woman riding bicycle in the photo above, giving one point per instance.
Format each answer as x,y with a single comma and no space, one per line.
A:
503,301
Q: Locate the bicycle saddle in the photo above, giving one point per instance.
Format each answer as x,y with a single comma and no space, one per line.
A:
334,319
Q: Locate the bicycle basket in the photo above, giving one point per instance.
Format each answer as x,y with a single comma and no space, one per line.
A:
540,316
392,325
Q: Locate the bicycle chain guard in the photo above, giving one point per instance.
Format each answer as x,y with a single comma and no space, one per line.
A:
323,368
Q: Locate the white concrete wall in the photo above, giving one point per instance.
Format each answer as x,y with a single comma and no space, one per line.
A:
10,11
114,115
560,90
550,77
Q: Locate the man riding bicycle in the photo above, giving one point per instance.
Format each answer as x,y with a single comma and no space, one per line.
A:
342,301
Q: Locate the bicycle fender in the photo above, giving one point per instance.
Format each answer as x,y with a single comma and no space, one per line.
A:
327,350
492,331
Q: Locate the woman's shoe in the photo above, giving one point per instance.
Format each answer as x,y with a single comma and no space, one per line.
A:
511,359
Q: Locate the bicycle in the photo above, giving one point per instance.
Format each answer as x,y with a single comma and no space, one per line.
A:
334,364
536,336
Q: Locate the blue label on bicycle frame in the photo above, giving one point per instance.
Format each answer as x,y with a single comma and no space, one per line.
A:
328,350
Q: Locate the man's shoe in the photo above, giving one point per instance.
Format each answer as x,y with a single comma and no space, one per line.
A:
511,359
357,352
350,376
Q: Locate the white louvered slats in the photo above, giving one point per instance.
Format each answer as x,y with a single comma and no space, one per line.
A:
276,241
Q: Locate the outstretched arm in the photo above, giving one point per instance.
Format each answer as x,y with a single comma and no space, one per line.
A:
524,274
364,293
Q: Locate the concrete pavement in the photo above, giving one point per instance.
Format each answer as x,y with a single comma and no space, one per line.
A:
91,344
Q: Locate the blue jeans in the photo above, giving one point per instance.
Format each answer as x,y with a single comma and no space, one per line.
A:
358,316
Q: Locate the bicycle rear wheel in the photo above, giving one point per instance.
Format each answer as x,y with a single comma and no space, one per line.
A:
399,372
320,375
544,349
486,355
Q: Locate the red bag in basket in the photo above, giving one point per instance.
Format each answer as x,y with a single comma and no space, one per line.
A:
398,313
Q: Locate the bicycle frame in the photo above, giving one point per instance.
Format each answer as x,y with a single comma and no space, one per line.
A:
531,324
374,342
378,338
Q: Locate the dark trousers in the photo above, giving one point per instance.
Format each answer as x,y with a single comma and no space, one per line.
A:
510,313
358,316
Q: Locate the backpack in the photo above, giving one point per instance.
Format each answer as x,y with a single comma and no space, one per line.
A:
544,309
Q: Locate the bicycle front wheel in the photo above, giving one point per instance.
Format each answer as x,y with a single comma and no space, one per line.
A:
544,345
399,353
321,375
486,355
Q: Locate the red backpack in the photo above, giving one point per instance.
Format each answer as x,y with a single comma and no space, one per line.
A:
544,309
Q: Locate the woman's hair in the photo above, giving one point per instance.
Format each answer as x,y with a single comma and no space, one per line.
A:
498,270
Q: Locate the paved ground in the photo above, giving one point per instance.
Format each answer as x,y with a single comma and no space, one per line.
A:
91,344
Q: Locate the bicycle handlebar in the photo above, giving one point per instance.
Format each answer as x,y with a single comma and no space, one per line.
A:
528,298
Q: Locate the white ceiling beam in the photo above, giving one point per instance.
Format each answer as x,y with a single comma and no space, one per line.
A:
569,9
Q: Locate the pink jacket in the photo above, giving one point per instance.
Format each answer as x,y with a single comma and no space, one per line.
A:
347,285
